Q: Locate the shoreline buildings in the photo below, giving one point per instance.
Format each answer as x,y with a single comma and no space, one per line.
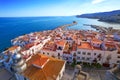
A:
83,46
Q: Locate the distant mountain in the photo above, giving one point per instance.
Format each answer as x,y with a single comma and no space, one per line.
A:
112,16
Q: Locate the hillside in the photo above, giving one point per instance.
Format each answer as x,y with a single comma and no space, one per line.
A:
112,16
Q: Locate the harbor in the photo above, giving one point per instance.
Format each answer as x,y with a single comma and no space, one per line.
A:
109,30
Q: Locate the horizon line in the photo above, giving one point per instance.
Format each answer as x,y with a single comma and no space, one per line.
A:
57,15
35,16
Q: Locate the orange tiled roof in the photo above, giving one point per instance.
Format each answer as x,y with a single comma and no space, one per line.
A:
62,42
40,61
85,45
29,45
13,48
50,46
25,38
90,36
74,37
96,48
49,72
110,45
95,40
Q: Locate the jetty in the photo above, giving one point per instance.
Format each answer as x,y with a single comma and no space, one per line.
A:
68,25
106,30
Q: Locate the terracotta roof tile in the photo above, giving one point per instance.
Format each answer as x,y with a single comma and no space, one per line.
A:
85,45
40,61
62,42
49,72
29,45
13,48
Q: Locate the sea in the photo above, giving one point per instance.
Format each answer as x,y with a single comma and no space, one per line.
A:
12,27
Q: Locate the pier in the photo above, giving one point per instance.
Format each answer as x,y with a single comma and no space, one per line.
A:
106,30
68,25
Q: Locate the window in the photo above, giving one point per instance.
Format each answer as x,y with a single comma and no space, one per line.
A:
70,57
59,48
74,54
118,56
84,53
58,54
79,52
83,58
53,56
43,53
66,58
97,44
59,76
32,50
118,61
78,57
47,53
119,52
88,58
94,53
88,53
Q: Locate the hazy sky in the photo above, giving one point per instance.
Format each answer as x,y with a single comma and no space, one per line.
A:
16,8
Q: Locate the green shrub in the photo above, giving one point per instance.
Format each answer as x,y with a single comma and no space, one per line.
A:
79,62
98,65
73,64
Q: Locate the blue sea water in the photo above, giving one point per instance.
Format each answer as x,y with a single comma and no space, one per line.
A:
13,27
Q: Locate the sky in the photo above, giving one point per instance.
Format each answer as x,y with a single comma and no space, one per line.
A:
24,8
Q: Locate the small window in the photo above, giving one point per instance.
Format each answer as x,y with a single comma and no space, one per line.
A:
70,57
43,53
59,48
83,58
88,58
53,56
59,75
58,54
78,58
118,61
118,56
84,53
79,52
94,53
88,53
98,44
47,53
74,54
66,58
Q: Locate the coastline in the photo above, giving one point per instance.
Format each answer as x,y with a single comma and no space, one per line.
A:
63,27
15,27
102,20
